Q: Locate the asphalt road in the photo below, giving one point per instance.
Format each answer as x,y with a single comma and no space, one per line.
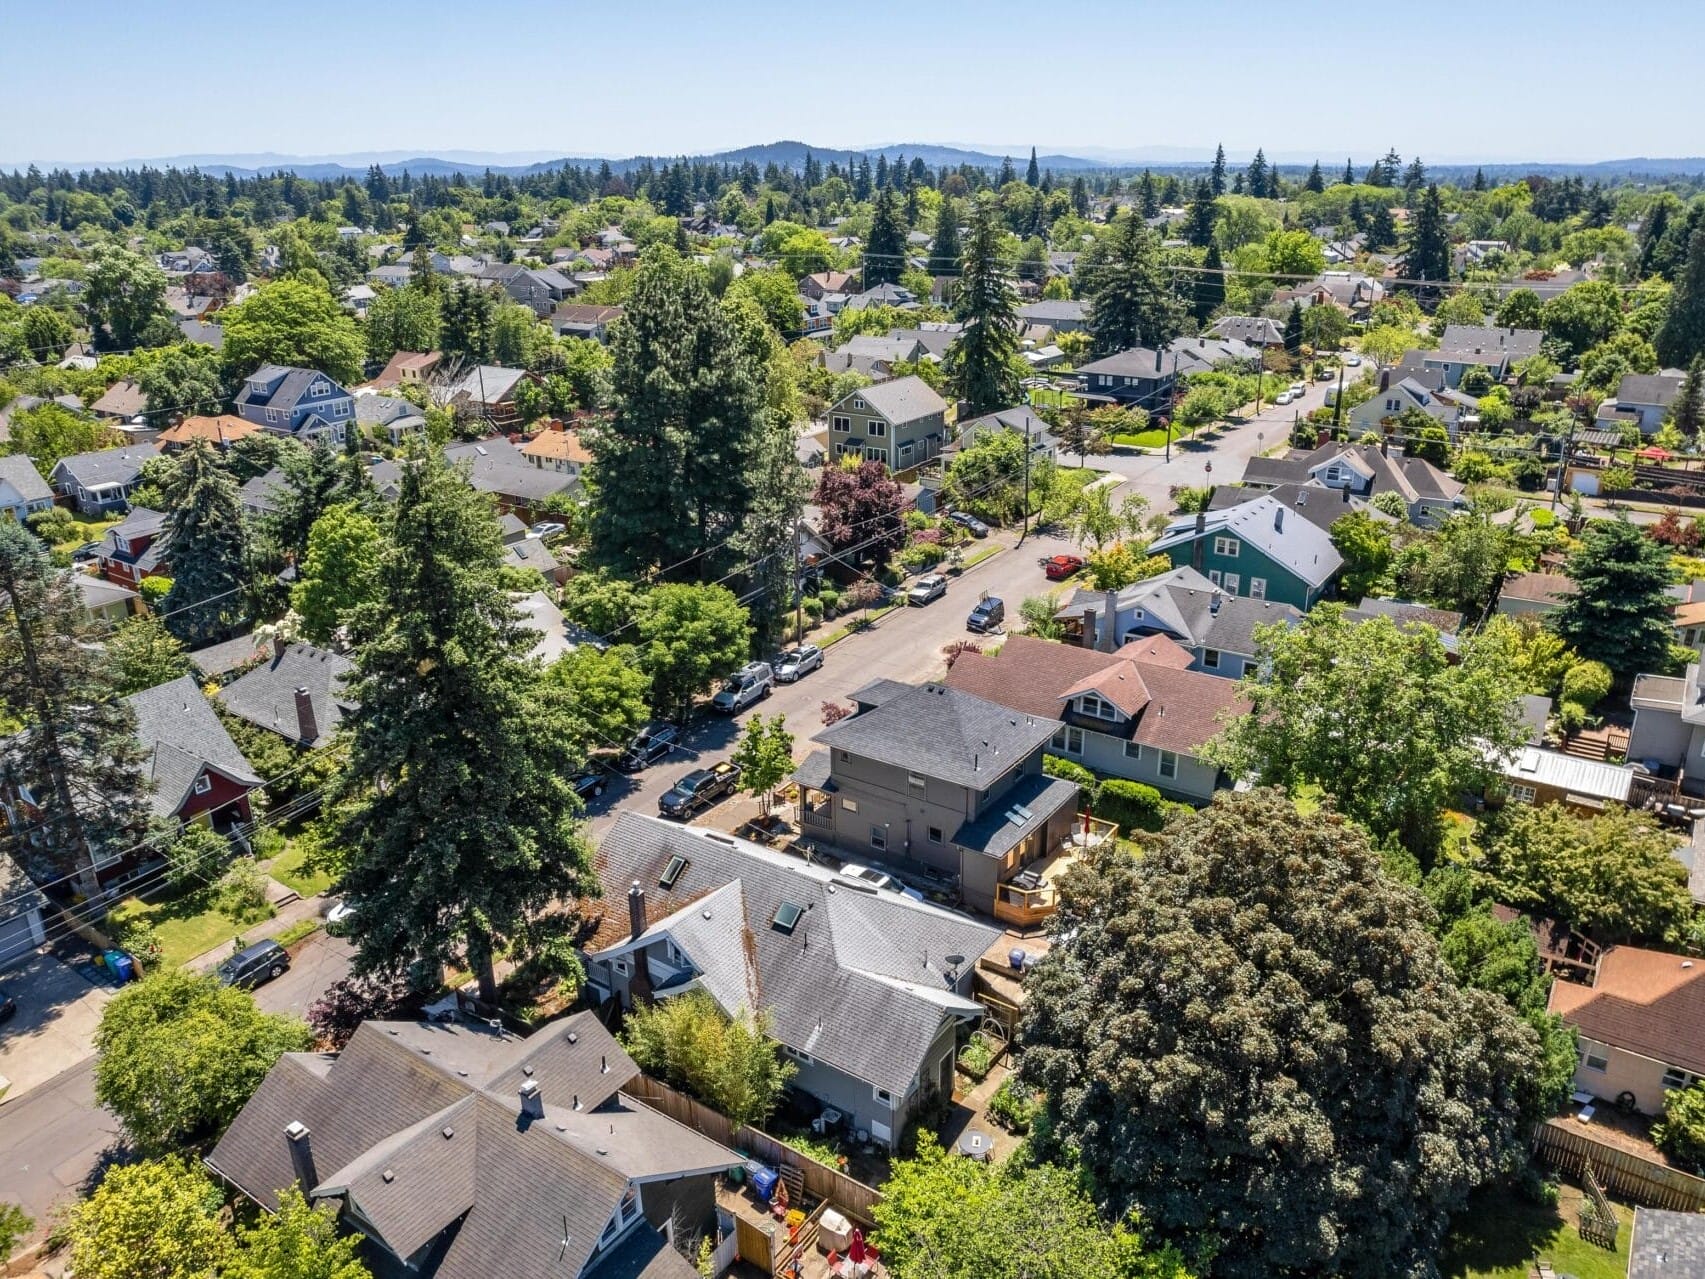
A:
55,1139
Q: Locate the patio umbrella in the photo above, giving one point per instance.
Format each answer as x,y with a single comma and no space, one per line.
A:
855,1249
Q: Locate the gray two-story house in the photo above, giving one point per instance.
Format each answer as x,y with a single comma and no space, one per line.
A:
900,423
939,783
304,404
866,990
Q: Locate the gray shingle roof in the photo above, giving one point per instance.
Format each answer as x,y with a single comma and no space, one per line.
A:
1049,310
1649,388
995,836
1295,544
18,471
1466,340
488,383
289,391
940,732
861,983
905,399
227,655
497,466
437,1107
266,696
175,723
1667,1245
106,466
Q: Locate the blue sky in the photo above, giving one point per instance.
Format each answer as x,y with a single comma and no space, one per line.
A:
1448,80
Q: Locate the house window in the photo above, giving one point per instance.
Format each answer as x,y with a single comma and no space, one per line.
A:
1133,750
1069,740
914,781
935,836
858,404
620,966
883,1095
1333,474
1257,588
1594,1061
1227,546
875,454
843,424
1523,794
879,838
1211,657
877,429
1214,576
906,448
1232,582
849,805
804,1059
1168,764
626,1211
1098,707
1674,1078
203,784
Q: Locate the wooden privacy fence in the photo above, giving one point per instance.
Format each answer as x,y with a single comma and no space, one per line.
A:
851,1197
1562,1144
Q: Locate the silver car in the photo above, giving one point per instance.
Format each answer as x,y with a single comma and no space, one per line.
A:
932,586
796,662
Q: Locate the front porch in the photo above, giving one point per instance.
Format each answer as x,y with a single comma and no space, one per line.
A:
1031,895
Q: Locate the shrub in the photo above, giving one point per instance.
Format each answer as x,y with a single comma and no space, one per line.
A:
139,939
53,525
977,1057
862,595
241,892
1133,805
1088,782
1680,1134
1014,1106
731,1065
349,1001
1572,717
155,589
1538,1187
1586,684
916,558
196,857
916,519
813,607
830,601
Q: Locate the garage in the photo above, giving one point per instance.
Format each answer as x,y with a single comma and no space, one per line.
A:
21,902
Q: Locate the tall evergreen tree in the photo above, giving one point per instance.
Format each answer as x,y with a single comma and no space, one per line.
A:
1479,179
1427,256
1620,611
1316,180
1203,214
459,823
944,250
1216,175
1033,176
885,250
688,410
1381,227
1414,177
980,361
1148,198
1007,173
1690,401
206,546
76,752
1133,303
1293,329
1208,295
1653,228
1682,336
1349,178
1258,175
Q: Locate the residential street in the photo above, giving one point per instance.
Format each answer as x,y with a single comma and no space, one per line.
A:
55,1137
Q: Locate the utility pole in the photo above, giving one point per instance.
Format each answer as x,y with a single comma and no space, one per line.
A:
1024,512
798,583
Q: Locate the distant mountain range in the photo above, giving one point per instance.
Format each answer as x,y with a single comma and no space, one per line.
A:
790,154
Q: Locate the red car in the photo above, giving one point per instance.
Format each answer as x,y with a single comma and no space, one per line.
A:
1059,567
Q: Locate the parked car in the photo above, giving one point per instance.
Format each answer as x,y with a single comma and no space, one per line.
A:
969,522
1353,361
877,879
698,790
649,745
989,613
799,661
751,683
548,528
1298,390
1283,397
8,1005
590,782
1056,568
929,587
253,965
340,917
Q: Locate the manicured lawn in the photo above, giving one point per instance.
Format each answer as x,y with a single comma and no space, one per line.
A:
288,869
1143,439
188,926
84,531
1499,1234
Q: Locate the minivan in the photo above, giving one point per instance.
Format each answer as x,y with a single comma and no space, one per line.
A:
751,683
253,965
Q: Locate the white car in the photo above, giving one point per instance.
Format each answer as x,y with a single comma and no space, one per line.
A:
1353,361
931,586
1283,397
876,879
1297,390
339,916
751,683
797,662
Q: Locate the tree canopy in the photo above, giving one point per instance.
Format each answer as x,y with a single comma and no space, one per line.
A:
1619,613
290,322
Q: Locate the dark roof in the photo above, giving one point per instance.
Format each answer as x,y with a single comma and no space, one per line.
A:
1402,611
1643,1001
1257,330
227,655
861,982
1314,502
497,466
419,1127
175,723
1187,606
290,389
905,399
1649,388
1667,1245
995,833
121,399
1547,588
266,696
940,732
264,492
1466,341
105,467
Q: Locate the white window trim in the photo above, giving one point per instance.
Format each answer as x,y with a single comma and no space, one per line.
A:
1232,582
1168,766
1228,547
876,430
1134,750
1210,659
1523,794
936,835
1593,1061
883,1095
842,425
203,784
879,837
1257,588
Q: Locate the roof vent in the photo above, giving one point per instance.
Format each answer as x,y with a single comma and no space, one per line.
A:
573,1038
388,1176
1687,963
527,1070
449,1132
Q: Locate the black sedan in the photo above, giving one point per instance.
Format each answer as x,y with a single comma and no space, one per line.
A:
969,522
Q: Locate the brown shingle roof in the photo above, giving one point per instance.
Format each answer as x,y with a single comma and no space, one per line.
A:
1644,1001
1538,586
219,430
552,443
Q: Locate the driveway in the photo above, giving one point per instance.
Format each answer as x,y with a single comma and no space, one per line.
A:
58,1010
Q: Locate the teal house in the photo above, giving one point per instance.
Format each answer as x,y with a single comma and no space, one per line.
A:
1260,549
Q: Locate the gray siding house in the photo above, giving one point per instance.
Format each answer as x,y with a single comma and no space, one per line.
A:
866,990
900,423
101,481
23,492
939,786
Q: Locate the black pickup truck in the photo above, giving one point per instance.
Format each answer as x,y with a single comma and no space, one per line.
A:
699,789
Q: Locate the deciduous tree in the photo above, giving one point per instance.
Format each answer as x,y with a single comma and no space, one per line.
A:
730,1064
290,322
299,1241
689,637
606,695
339,574
144,654
125,294
861,506
153,1220
765,756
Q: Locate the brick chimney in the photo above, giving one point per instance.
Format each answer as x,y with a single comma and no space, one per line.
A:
1089,631
307,727
1104,639
301,1155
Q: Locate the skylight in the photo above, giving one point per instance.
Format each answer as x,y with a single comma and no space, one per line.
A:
672,871
787,916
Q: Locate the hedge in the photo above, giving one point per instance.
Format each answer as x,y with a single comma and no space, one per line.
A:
1133,805
1088,782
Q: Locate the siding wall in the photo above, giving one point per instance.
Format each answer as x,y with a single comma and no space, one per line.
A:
1624,1072
1106,754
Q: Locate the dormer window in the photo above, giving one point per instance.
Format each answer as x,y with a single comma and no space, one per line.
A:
1097,707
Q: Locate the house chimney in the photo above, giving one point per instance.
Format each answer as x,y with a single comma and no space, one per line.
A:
1385,379
1279,519
307,728
1105,641
1196,551
279,644
1157,360
301,1155
532,1100
1088,637
636,909
1385,446
1344,494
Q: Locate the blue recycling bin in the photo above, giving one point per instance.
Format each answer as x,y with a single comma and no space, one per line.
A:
764,1182
122,965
